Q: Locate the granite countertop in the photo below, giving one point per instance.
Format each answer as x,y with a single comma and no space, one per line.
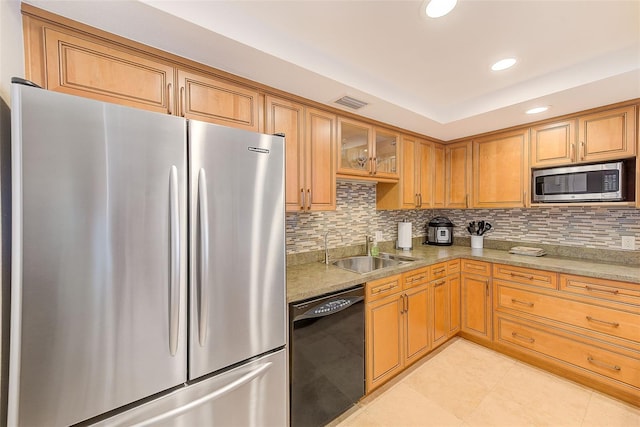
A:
313,279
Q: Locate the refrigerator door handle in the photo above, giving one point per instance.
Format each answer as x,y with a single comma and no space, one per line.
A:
228,388
174,273
203,260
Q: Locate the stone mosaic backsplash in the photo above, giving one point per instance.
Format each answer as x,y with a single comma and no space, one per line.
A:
356,216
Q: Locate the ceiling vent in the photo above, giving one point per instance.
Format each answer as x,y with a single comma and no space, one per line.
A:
353,103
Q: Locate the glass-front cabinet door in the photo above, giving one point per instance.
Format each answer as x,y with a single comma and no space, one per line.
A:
356,148
386,153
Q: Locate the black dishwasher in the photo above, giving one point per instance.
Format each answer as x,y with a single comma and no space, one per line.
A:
327,356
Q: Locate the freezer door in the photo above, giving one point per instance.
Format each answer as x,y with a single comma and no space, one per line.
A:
253,394
237,263
99,257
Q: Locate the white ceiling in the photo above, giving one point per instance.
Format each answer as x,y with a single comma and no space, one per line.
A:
430,76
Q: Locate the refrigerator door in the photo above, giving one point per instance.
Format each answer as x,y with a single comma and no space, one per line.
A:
253,394
99,257
237,264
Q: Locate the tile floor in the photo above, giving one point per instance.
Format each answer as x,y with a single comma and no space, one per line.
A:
468,385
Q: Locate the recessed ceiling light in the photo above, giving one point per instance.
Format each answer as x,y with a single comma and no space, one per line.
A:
503,64
438,8
537,110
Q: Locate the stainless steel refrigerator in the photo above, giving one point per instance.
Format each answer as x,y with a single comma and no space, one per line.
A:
148,268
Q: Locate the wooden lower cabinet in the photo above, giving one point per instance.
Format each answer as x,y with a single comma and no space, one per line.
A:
397,327
384,326
476,302
445,309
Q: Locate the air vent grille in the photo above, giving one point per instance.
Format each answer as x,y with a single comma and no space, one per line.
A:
350,102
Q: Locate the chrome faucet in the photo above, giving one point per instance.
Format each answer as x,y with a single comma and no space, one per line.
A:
326,249
367,245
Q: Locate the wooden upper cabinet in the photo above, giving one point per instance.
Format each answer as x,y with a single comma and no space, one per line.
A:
287,117
457,174
553,144
409,192
310,146
438,175
355,147
500,171
218,101
607,135
417,172
366,151
385,153
82,67
320,159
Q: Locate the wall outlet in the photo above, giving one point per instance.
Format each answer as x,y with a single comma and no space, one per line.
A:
629,242
378,236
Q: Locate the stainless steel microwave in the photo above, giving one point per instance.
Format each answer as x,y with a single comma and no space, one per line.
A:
583,183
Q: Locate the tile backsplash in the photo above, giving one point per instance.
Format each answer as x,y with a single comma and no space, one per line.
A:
356,216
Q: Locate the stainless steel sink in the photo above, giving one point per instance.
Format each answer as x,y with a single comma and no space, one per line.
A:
367,264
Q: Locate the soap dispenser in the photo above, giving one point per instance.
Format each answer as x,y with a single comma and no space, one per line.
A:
374,251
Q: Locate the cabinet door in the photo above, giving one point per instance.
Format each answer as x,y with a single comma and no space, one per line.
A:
385,153
416,313
457,175
320,158
214,100
438,199
500,171
454,304
607,135
81,67
425,173
553,144
440,311
476,308
384,340
355,154
288,118
408,183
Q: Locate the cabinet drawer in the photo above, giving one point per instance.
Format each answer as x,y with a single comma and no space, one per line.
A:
380,288
415,277
476,267
439,270
453,267
595,318
579,352
601,288
527,276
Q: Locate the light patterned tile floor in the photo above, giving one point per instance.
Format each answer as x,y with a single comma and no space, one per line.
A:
467,385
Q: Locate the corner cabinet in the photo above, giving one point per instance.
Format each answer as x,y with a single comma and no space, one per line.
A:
500,170
367,152
310,159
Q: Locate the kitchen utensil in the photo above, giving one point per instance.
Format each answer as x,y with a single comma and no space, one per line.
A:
487,227
480,228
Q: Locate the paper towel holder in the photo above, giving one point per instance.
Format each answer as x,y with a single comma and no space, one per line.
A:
407,239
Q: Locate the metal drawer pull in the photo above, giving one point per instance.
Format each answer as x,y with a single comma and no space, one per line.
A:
611,291
440,283
439,271
415,279
603,364
614,324
515,301
378,290
522,337
521,275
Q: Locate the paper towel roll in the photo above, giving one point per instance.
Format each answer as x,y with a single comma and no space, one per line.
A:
404,235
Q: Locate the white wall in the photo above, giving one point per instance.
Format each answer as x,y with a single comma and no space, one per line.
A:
11,64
